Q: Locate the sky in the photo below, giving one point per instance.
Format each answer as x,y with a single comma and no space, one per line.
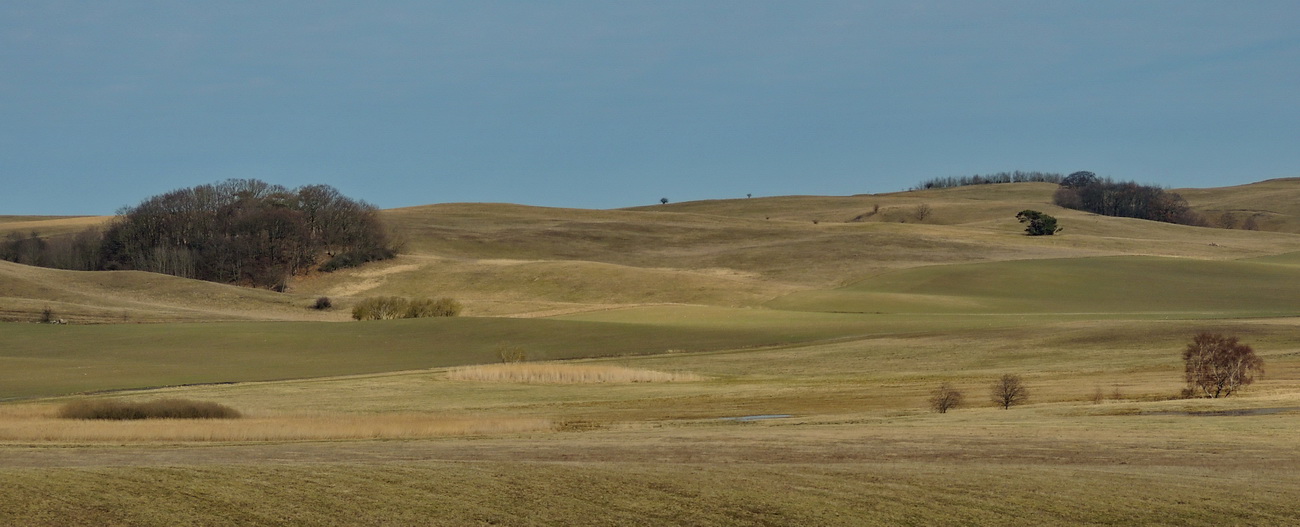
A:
599,104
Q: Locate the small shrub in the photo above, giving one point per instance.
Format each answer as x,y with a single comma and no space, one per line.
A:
381,308
394,307
323,303
427,307
509,353
159,409
47,315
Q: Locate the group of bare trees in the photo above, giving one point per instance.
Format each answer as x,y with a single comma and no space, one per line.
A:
1006,392
1215,366
241,231
1085,191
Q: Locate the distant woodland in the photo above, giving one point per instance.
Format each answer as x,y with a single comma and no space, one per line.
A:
1085,191
241,231
1126,199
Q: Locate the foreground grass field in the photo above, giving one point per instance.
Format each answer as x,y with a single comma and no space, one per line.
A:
791,364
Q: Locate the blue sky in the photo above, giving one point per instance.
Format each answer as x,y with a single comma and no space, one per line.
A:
601,104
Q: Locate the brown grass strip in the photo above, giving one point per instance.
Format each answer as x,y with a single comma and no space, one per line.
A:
44,425
552,373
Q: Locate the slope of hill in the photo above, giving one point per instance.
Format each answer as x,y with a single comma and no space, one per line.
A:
133,296
515,260
1274,204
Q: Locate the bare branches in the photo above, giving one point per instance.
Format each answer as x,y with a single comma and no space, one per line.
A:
945,398
1009,391
1216,366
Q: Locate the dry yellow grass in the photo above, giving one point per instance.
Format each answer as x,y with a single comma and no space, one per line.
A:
552,373
513,260
39,423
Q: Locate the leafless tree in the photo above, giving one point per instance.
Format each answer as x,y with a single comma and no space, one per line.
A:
922,211
1217,366
945,398
1009,391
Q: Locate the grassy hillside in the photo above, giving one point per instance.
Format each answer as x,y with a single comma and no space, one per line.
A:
838,329
1274,204
131,296
1115,285
516,260
48,225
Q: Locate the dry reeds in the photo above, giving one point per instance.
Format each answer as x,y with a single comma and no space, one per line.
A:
395,307
552,373
160,409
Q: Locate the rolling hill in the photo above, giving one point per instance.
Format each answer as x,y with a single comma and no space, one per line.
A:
812,331
514,260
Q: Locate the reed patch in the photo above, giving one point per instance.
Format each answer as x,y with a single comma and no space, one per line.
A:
551,373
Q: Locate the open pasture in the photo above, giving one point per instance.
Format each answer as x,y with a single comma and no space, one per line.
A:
800,357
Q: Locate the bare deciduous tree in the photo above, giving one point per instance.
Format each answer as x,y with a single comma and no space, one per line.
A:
1217,366
1009,391
945,398
922,211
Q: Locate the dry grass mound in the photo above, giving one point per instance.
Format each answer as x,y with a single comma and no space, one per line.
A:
563,374
159,409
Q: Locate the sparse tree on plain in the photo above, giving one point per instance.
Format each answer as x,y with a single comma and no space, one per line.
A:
663,201
1216,365
945,398
1009,391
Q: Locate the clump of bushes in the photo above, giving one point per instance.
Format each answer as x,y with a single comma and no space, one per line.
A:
159,409
395,307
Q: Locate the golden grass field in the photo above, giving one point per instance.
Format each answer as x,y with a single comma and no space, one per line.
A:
649,332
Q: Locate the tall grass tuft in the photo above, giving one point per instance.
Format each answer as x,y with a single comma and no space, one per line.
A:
159,409
394,307
551,373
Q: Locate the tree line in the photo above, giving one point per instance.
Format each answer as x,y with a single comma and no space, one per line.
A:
240,231
988,179
1126,199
